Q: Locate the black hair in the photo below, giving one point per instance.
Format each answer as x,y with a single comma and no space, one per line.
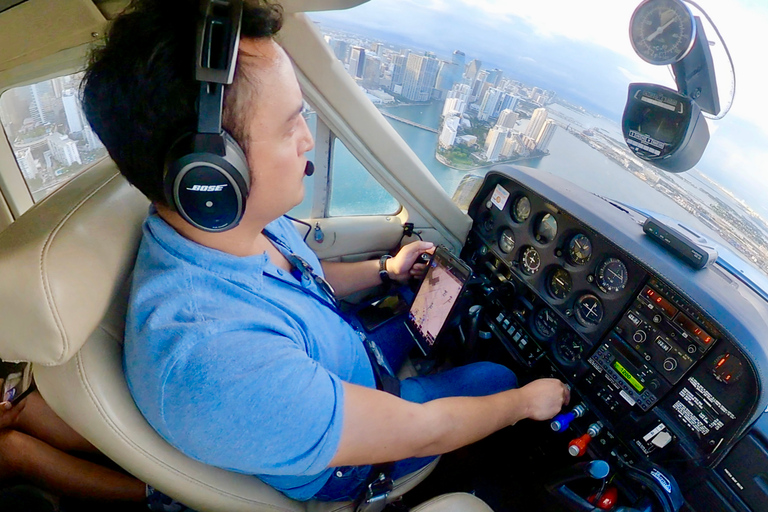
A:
139,92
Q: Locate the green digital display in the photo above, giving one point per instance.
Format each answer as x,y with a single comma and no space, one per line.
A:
628,376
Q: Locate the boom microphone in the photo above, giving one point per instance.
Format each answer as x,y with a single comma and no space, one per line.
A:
309,170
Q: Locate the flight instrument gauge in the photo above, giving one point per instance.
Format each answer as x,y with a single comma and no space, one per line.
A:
588,310
521,209
545,323
612,275
569,347
507,241
530,261
662,31
546,229
559,284
579,249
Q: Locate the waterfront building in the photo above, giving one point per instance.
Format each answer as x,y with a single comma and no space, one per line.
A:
545,135
420,77
467,140
371,72
507,119
398,72
448,133
529,142
538,119
454,107
490,101
495,142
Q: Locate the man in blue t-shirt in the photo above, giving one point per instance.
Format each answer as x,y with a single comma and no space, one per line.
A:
234,351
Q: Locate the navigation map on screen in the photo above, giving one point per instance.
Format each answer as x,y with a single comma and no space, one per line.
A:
433,303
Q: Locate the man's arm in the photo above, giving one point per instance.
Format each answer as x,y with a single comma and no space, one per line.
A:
379,427
347,278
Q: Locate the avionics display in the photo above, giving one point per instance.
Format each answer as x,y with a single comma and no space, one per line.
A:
691,327
628,376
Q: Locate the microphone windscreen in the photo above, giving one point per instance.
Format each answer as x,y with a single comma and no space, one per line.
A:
309,170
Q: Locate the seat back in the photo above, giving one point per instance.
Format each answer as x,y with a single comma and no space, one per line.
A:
64,272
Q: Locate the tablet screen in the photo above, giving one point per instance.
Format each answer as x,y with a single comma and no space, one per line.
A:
436,298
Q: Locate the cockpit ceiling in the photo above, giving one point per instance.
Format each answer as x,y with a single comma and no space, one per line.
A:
7,4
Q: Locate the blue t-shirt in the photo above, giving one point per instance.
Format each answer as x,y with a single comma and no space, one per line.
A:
234,364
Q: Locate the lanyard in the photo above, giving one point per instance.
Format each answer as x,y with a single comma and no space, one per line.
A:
300,268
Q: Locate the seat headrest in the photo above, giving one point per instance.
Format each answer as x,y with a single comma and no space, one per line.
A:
64,261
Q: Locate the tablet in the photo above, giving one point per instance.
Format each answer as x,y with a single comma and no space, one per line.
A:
439,292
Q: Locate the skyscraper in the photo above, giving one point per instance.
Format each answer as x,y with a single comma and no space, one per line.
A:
420,77
472,69
356,61
72,111
489,103
538,119
508,102
448,133
494,77
398,72
495,142
545,135
507,119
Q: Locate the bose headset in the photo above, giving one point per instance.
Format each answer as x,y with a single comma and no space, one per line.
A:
206,177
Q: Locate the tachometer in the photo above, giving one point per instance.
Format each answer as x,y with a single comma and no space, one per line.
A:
588,310
559,284
507,241
612,275
530,261
545,323
546,229
579,249
662,31
521,209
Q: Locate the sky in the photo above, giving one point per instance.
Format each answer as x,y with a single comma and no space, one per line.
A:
581,49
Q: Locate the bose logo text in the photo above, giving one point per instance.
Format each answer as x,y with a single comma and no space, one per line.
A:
207,188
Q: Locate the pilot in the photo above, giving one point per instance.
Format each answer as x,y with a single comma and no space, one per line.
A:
234,351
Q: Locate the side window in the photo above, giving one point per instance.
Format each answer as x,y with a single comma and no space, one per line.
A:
341,186
48,133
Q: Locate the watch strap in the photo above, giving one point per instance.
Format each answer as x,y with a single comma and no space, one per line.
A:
383,274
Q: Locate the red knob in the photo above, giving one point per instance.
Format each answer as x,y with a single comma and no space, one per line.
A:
608,499
578,446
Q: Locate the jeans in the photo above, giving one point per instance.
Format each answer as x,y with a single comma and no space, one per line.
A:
477,379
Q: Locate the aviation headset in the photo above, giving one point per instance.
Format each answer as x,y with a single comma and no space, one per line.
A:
206,177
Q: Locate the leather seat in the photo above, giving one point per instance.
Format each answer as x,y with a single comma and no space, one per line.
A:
65,269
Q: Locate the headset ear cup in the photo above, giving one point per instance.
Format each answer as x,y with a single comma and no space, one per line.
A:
207,181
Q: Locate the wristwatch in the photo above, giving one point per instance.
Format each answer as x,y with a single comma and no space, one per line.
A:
383,274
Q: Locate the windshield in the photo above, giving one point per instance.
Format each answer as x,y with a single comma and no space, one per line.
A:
472,83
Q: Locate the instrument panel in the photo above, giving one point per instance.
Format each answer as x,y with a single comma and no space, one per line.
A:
571,286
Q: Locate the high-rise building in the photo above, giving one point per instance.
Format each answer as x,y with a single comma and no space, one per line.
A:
494,77
40,108
545,135
72,111
378,49
460,91
26,163
489,103
454,107
371,72
446,76
340,48
477,85
472,69
507,119
538,119
399,64
449,131
508,102
495,142
63,149
91,139
420,77
356,61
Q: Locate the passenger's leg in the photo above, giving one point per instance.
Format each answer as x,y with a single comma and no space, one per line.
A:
38,420
47,467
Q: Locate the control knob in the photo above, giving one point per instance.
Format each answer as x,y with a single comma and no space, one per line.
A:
670,364
639,336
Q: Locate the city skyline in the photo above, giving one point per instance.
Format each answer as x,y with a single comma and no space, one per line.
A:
566,46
